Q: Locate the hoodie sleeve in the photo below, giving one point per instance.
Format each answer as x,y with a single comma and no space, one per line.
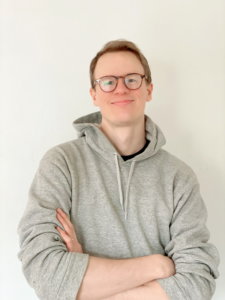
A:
195,259
53,272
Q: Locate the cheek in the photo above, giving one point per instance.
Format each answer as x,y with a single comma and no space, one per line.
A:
143,96
101,99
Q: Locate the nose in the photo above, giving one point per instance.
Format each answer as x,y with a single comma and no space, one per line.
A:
121,87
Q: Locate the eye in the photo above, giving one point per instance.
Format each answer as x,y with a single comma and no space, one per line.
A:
107,82
131,80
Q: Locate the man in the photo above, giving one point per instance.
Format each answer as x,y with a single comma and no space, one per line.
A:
136,209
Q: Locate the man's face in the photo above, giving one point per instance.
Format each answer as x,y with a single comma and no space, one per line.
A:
121,107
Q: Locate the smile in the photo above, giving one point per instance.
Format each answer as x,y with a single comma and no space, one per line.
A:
122,102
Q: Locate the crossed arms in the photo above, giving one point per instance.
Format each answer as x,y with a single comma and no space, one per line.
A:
56,273
113,279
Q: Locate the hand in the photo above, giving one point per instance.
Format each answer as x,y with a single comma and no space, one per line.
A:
68,234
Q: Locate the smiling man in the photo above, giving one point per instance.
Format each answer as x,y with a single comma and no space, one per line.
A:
111,215
121,92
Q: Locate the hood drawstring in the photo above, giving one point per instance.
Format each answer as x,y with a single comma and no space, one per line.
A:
119,180
128,187
124,204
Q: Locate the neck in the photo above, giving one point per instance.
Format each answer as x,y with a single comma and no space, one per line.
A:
126,139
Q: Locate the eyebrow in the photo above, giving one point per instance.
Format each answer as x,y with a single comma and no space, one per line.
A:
120,75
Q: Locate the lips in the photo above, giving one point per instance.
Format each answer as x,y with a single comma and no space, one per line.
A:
122,102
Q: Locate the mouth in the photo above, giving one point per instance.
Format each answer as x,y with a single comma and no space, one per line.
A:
122,102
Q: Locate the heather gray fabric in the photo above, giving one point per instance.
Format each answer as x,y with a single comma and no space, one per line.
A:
120,209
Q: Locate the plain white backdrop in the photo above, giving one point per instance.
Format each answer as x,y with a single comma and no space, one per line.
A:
46,47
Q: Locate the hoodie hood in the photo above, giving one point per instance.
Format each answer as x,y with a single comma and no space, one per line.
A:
89,127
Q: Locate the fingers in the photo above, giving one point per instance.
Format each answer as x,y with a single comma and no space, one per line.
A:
62,214
68,233
66,223
64,219
63,234
63,222
67,239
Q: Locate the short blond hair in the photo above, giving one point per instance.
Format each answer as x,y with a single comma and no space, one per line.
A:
116,46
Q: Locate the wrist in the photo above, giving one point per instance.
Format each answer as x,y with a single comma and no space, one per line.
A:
156,266
163,266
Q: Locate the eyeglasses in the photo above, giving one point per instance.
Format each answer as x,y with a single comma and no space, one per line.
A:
131,81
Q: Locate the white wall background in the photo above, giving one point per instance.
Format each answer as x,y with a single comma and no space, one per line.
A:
45,49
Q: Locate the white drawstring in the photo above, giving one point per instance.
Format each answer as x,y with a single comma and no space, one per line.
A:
119,180
128,187
124,205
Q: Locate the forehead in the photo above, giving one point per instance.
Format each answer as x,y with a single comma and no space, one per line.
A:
118,63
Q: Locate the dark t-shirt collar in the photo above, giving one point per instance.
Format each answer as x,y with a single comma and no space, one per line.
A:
126,157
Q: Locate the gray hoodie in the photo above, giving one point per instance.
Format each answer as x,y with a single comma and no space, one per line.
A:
148,204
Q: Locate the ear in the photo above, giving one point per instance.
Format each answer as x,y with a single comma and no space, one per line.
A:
93,95
149,91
